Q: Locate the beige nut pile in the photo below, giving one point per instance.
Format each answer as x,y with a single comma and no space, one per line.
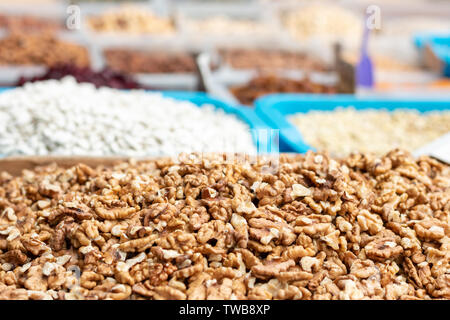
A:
222,25
383,62
347,130
408,26
323,21
131,19
360,228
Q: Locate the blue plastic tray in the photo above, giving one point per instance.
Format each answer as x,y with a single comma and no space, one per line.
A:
248,115
275,108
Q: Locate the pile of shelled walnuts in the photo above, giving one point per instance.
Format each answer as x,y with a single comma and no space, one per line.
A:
205,228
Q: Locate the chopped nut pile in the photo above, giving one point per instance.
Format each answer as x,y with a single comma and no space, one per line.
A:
269,83
203,228
63,117
265,59
41,49
134,61
130,19
347,130
323,21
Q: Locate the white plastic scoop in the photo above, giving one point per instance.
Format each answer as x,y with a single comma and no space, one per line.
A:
439,149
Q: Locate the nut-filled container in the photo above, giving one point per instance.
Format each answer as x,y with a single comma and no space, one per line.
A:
277,111
68,48
243,86
171,66
150,229
211,24
134,123
128,24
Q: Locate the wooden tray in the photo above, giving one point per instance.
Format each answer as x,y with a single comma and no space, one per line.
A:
15,165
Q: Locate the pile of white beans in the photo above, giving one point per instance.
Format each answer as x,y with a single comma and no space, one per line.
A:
67,118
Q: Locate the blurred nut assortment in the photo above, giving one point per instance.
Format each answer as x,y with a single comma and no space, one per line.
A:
266,59
139,61
383,63
323,21
28,23
70,118
201,228
347,130
103,78
41,49
408,26
222,25
130,19
266,84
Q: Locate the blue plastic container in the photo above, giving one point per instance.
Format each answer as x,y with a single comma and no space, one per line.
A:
248,115
439,44
275,109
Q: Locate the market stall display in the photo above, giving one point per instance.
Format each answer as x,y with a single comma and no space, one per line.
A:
319,229
222,25
226,150
323,21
